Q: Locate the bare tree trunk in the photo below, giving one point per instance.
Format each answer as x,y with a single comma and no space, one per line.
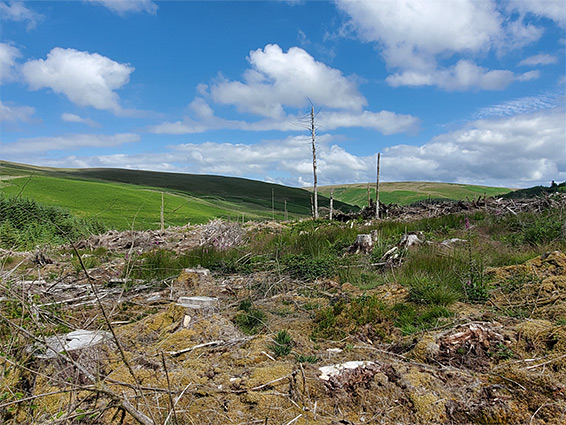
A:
162,218
331,203
315,207
377,189
312,207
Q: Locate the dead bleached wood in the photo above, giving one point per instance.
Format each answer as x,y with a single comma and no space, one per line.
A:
209,344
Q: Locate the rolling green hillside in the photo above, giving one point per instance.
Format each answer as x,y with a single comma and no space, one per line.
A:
405,193
126,198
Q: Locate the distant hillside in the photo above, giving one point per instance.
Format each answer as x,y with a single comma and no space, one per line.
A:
405,193
537,191
126,198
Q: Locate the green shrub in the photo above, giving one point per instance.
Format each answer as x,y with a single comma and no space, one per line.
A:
24,224
365,310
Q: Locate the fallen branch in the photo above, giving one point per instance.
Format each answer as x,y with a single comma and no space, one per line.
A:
188,350
545,363
209,344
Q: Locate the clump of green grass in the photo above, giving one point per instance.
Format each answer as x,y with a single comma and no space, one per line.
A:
282,343
303,358
310,268
434,277
426,291
88,261
159,264
213,258
250,320
156,264
530,228
410,319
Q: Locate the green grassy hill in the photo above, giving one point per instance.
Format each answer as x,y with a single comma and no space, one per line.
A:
405,193
128,198
125,199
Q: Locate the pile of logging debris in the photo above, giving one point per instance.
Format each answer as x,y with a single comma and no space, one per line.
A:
435,208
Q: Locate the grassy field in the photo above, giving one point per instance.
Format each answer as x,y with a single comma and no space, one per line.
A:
405,193
124,199
120,206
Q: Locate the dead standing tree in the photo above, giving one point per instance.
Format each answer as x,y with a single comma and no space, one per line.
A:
313,139
312,130
377,189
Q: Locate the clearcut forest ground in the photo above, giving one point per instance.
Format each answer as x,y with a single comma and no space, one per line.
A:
465,325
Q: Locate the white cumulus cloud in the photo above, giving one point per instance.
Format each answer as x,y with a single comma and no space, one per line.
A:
8,65
12,113
74,118
279,79
465,75
415,37
412,32
540,59
551,9
204,119
38,145
86,79
122,7
17,11
517,151
385,122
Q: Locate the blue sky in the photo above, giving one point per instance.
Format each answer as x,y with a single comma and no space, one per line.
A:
457,91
